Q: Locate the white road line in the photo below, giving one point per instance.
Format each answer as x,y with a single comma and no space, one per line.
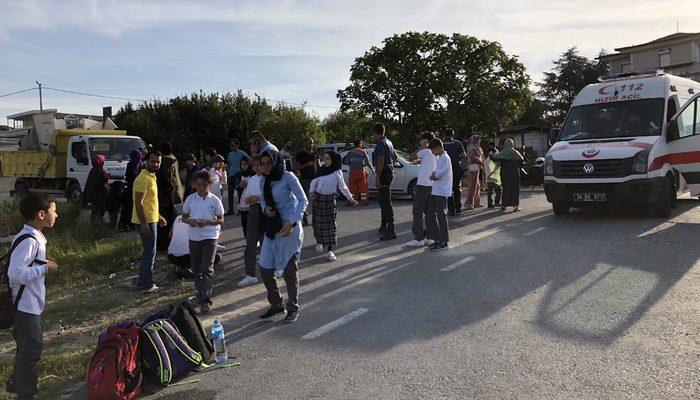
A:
540,229
457,264
332,325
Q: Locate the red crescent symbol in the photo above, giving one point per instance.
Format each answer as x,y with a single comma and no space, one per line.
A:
603,89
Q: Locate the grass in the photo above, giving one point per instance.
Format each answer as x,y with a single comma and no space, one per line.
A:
83,298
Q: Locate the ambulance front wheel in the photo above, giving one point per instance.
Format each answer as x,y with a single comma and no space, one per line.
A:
560,209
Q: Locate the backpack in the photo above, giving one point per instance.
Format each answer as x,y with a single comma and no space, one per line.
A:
165,355
114,372
190,327
7,306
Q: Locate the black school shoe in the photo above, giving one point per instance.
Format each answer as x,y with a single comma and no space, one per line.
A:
439,246
388,236
272,311
292,316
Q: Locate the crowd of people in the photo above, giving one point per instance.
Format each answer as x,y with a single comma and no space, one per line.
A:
182,210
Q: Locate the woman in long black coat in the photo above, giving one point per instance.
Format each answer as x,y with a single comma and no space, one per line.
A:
96,188
511,162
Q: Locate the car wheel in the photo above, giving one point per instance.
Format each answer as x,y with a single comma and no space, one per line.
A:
411,190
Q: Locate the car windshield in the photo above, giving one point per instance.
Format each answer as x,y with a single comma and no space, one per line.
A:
114,149
612,120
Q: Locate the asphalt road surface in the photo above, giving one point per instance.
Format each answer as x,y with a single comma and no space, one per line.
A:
595,305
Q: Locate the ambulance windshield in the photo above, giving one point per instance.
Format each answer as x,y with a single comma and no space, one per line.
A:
616,119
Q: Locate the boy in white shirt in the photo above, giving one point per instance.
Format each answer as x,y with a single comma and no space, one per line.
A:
441,191
204,212
27,266
250,208
179,249
424,186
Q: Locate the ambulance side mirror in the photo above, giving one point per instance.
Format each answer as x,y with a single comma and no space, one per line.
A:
553,135
672,130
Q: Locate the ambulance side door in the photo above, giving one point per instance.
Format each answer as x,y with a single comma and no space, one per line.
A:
683,137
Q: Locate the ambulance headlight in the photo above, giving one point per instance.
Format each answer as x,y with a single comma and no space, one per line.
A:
639,162
548,165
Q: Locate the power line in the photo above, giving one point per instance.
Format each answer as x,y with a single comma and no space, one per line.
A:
18,92
94,95
143,100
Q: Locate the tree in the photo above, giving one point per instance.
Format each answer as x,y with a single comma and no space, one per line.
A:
193,123
427,81
291,123
347,126
571,73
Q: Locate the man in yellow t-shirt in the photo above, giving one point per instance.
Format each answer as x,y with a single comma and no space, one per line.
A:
145,215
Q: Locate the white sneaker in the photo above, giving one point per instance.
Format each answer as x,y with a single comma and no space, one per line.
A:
428,242
220,247
331,257
151,289
319,248
279,273
415,243
248,280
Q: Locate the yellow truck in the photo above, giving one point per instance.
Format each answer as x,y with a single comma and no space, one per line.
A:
54,158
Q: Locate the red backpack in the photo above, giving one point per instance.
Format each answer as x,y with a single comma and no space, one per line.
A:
114,372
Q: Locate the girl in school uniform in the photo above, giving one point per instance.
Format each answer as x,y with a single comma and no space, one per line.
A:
322,192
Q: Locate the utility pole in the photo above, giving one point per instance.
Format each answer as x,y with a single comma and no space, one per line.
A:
41,102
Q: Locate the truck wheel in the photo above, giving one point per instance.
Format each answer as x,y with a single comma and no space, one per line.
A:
662,208
21,190
560,209
73,192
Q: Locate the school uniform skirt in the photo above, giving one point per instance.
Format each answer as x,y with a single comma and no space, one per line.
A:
324,213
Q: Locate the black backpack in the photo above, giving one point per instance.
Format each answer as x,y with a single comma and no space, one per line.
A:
190,327
7,307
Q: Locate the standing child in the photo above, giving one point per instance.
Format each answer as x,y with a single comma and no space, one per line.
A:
493,176
322,192
251,220
217,169
204,212
245,171
421,196
27,266
442,190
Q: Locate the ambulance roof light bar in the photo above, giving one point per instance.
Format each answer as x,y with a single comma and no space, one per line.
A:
635,74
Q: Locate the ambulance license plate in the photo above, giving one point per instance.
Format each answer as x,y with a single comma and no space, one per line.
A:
590,197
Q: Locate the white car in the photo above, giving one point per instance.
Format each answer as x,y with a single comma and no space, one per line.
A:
405,175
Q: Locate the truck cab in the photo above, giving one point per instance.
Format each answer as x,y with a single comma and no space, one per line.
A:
82,148
630,139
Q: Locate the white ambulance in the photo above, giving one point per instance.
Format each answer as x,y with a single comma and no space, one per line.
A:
631,139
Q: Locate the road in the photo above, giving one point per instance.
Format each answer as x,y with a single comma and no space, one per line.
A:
595,305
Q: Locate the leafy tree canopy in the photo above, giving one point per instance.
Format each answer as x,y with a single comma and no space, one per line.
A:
427,81
571,73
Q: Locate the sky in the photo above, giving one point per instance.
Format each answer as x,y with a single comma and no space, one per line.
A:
293,51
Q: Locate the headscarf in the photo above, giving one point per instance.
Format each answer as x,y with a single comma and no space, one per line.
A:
249,172
335,165
509,152
135,163
98,162
272,225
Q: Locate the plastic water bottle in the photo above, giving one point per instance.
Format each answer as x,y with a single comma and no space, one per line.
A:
217,332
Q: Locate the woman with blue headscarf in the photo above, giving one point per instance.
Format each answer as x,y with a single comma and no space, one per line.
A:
283,203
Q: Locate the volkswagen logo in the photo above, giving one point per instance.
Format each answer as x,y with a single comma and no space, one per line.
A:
588,168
